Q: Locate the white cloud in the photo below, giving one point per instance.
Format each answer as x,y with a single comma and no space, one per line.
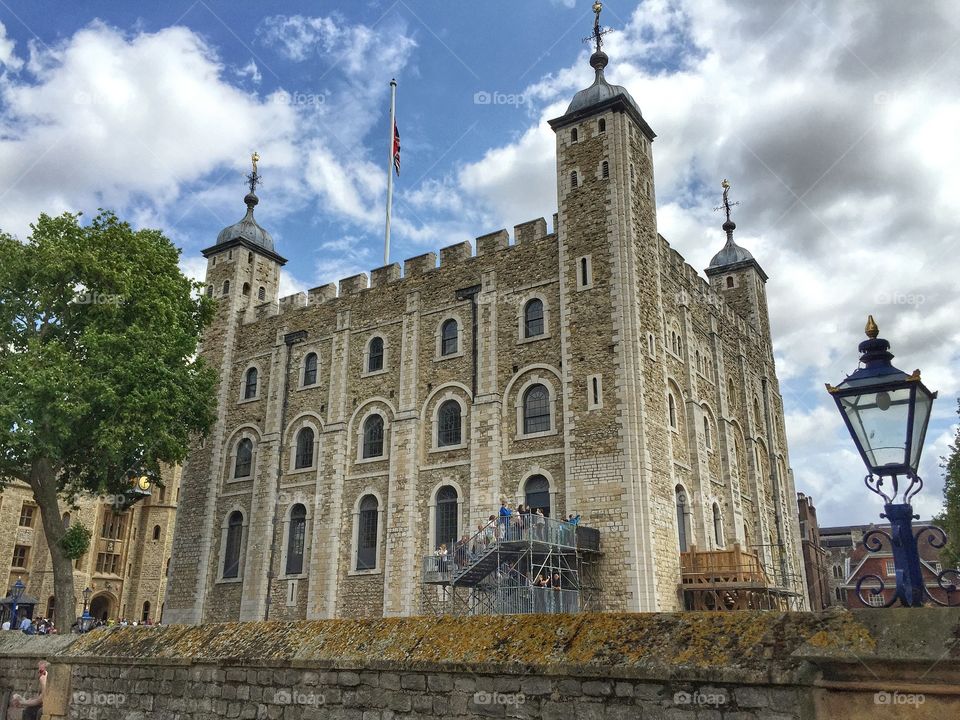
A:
8,59
116,121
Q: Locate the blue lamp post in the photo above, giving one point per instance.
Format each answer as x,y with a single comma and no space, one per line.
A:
887,412
15,594
85,619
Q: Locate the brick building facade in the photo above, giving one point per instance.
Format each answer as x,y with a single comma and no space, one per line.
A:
585,370
125,566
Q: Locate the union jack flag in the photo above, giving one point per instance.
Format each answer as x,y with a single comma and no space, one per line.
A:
396,148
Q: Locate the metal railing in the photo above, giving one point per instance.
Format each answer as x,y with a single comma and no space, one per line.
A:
525,600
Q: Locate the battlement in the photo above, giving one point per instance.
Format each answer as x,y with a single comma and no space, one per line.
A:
417,266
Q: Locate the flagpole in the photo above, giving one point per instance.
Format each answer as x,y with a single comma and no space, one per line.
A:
393,125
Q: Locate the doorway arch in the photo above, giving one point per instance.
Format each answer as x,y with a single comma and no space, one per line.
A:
102,606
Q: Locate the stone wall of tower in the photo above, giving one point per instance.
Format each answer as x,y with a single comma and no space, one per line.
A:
234,277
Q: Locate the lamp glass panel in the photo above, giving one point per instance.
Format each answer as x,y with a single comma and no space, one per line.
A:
879,422
921,416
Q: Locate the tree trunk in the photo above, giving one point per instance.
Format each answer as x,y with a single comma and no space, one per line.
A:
43,482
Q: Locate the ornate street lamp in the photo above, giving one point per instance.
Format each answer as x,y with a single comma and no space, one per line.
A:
15,594
887,412
85,618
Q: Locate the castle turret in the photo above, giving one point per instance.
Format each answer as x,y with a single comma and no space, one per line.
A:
738,277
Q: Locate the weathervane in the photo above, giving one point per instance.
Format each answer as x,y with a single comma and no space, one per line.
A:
598,32
254,178
726,199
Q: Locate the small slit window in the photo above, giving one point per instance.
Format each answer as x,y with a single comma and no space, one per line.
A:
729,281
209,290
605,170
574,135
584,272
231,553
574,180
672,411
226,287
602,126
262,293
246,288
249,257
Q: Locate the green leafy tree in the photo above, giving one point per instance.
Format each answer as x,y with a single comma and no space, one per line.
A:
98,366
949,520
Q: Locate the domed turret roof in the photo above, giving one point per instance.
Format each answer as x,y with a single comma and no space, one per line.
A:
247,229
601,91
731,252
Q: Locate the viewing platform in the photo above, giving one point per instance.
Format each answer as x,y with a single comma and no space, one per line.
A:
520,564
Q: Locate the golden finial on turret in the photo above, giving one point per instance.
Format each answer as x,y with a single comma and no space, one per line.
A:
597,7
871,329
255,158
725,184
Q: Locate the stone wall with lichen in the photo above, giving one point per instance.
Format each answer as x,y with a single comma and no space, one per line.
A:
743,666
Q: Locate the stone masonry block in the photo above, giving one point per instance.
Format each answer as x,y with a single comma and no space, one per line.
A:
529,231
353,284
492,242
384,275
455,254
322,294
419,264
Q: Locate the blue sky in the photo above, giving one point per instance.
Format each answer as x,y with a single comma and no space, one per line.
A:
834,122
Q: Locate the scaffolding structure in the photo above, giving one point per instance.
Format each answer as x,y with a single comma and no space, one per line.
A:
733,579
518,564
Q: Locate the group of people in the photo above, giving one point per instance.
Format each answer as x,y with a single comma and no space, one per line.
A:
522,523
29,626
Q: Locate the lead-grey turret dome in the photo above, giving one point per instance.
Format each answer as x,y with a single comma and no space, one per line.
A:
601,91
247,229
731,252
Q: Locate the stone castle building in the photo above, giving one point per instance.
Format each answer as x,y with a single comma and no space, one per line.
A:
585,370
125,567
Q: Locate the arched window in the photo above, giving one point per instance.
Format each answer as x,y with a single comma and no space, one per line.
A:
707,436
574,180
731,394
246,288
244,458
536,493
605,170
730,281
231,551
373,436
51,607
226,287
262,293
250,384
249,257
448,424
375,355
304,455
533,318
367,533
602,125
717,525
574,135
683,519
156,532
672,410
310,370
445,518
145,615
536,410
209,290
296,537
448,337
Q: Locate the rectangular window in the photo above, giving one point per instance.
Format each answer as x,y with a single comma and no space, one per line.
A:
594,392
584,272
21,553
891,568
26,515
113,526
108,563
